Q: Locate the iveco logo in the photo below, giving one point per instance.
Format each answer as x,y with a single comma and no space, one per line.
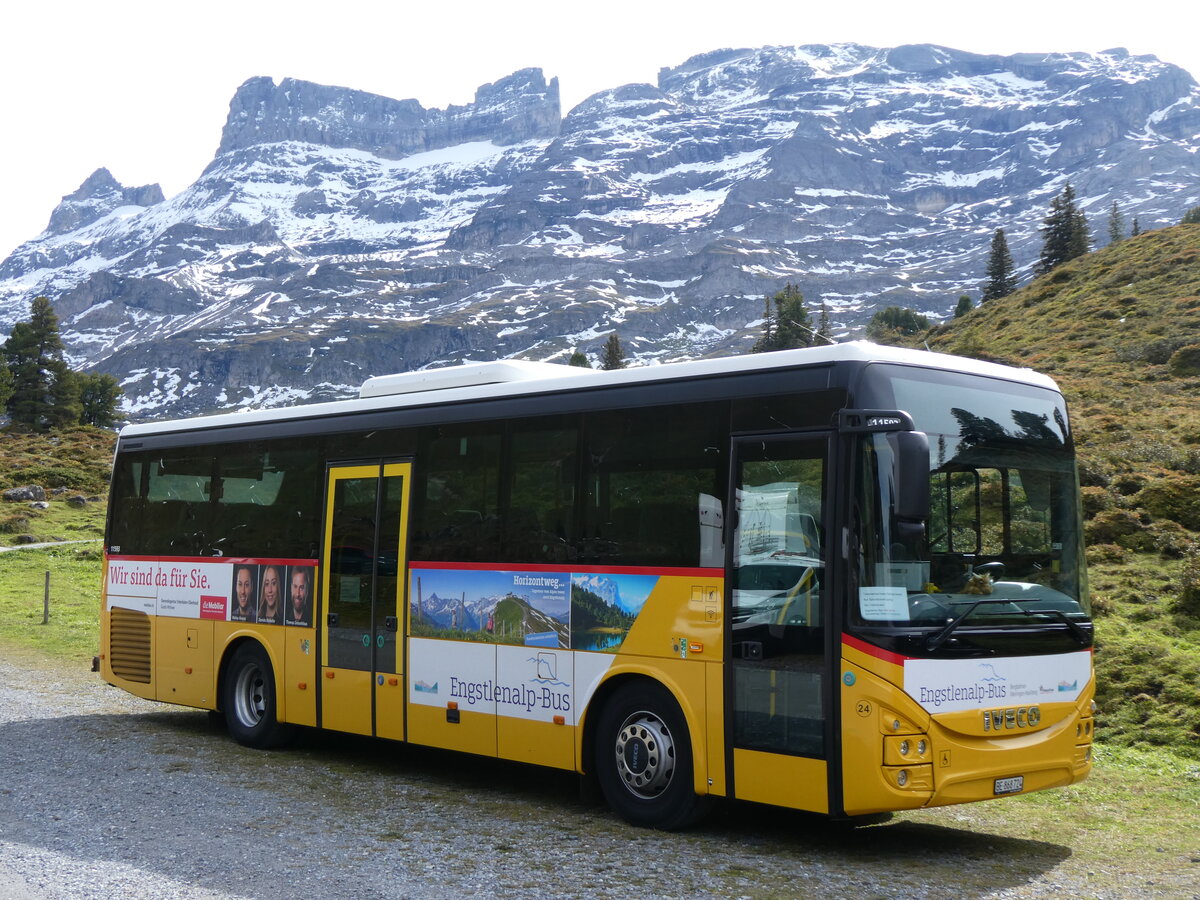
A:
1013,717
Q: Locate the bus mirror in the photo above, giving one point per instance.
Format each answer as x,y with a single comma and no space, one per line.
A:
911,475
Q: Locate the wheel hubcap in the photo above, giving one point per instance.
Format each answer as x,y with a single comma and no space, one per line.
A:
248,696
645,755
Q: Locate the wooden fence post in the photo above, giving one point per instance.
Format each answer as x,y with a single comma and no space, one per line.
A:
46,602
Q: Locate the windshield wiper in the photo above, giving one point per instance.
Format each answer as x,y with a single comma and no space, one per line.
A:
1081,636
936,640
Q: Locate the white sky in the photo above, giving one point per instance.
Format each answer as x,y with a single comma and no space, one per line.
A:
143,88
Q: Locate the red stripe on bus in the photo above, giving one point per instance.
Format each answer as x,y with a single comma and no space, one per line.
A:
872,650
568,569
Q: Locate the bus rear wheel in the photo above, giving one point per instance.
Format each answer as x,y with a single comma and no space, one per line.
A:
248,699
644,758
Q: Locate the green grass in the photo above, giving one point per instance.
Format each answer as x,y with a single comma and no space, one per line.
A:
73,632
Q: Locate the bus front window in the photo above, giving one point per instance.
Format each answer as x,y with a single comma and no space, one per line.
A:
998,564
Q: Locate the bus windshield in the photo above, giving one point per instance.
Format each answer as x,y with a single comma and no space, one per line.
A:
997,566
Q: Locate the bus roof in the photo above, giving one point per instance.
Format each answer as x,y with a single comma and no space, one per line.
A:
510,378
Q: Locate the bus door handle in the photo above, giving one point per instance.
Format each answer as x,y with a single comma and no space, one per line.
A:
390,623
333,620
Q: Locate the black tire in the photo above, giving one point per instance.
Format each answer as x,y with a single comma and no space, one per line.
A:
248,699
644,758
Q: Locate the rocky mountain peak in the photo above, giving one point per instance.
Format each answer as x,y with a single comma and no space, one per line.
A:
99,195
340,234
514,109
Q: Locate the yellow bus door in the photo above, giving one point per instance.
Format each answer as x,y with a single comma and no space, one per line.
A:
778,671
363,586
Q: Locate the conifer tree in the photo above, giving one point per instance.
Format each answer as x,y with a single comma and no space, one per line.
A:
1135,229
1116,225
613,356
964,306
1191,217
1001,273
6,384
44,391
824,325
1064,232
894,323
579,358
99,395
766,340
789,326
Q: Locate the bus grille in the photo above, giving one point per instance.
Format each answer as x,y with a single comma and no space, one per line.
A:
129,644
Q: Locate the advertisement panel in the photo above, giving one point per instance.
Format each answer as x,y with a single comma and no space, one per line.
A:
953,685
268,591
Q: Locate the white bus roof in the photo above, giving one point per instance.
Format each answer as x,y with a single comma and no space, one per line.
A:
510,378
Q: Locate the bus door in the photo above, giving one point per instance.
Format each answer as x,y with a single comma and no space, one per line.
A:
776,679
363,586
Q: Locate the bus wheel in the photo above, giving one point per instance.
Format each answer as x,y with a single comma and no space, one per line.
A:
248,699
644,758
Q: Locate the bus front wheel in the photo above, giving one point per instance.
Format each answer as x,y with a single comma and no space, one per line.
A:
248,699
644,758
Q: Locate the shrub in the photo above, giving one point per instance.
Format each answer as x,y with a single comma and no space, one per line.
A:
18,523
1185,362
1111,525
1102,553
1175,497
70,477
1188,601
1095,500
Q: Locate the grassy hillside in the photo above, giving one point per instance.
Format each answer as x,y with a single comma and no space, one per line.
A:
1119,329
67,464
76,463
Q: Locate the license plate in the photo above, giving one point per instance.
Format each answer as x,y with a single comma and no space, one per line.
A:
1010,785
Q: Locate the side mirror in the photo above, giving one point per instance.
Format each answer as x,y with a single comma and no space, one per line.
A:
911,476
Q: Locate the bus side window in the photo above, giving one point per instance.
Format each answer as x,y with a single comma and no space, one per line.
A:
129,506
539,526
178,503
457,495
648,473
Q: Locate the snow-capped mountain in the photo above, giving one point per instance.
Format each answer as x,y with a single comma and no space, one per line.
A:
606,589
338,235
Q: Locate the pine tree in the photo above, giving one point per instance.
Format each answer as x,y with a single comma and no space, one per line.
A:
579,358
44,391
1191,217
612,357
99,395
789,326
766,340
1116,225
824,325
1081,235
964,306
1064,232
65,407
894,323
1135,229
1001,273
6,384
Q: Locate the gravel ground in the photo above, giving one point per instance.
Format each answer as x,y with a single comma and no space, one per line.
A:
104,795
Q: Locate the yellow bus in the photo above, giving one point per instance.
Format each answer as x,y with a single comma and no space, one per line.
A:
845,579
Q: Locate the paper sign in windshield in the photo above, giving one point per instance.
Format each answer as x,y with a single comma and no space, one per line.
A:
883,604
